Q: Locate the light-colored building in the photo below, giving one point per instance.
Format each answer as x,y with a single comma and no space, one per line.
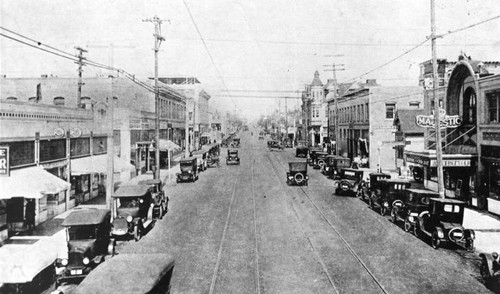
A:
314,111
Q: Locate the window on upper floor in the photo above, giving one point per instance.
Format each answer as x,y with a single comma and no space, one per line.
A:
493,100
390,108
414,104
59,101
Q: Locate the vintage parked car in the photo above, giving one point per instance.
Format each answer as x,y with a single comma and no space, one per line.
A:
89,243
232,157
387,192
131,273
490,270
418,174
134,211
302,149
442,223
297,173
333,163
201,156
213,160
319,159
312,155
275,145
189,170
414,202
350,181
288,143
235,143
160,201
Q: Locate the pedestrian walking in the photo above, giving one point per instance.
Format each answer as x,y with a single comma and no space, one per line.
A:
29,220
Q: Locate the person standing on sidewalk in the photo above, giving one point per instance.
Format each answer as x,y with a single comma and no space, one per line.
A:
30,214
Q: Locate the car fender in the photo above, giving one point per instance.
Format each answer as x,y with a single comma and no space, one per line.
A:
421,215
440,231
470,233
397,203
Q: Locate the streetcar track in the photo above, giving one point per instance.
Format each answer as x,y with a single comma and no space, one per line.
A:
257,273
219,254
323,216
320,260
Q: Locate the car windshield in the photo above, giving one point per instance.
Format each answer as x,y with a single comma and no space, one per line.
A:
350,175
298,166
129,202
186,166
82,232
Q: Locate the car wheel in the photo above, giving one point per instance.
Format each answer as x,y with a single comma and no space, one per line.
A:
469,244
416,231
370,203
393,216
485,270
407,226
288,182
137,233
160,211
337,191
383,210
177,181
435,242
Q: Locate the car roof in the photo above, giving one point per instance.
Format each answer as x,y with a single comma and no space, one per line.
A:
447,200
422,191
322,152
92,216
298,165
396,181
199,152
336,156
187,159
128,273
131,191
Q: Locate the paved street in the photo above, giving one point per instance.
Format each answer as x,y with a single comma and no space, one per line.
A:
241,229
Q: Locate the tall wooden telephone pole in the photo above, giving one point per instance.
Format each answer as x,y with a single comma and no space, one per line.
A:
81,64
334,69
158,39
439,155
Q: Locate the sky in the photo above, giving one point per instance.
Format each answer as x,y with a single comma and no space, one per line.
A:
255,48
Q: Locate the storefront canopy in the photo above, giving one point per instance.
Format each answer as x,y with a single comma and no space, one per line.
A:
31,182
98,164
167,145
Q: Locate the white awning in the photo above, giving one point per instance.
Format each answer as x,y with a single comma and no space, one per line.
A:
98,164
31,182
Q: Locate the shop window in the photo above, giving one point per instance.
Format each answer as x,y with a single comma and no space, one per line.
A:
414,104
52,150
494,182
21,153
493,100
3,213
59,101
43,203
79,146
86,102
100,145
390,108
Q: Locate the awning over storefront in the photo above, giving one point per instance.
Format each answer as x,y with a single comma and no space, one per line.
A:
167,145
31,182
98,164
448,160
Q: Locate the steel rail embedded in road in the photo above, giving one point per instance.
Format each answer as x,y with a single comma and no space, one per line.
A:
257,275
219,254
348,246
320,260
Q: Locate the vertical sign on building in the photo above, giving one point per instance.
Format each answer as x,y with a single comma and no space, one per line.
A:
4,161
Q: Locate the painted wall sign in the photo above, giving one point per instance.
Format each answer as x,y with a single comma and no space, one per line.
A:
491,136
453,163
445,121
4,161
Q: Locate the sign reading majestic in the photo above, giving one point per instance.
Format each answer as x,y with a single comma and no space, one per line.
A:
445,121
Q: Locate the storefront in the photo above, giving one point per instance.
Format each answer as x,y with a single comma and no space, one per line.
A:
459,171
490,158
23,184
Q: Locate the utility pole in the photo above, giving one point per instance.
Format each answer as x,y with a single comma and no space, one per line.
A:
334,69
439,155
80,70
110,159
158,39
186,133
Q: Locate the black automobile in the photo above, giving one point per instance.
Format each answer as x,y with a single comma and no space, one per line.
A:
297,174
288,143
201,156
189,170
134,211
160,200
89,243
387,193
235,143
350,181
232,157
333,163
415,201
371,185
312,155
442,223
490,270
302,149
275,145
319,159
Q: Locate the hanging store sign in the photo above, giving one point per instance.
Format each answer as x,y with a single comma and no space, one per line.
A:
445,121
4,161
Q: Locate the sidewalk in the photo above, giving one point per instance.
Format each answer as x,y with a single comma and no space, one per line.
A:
487,228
